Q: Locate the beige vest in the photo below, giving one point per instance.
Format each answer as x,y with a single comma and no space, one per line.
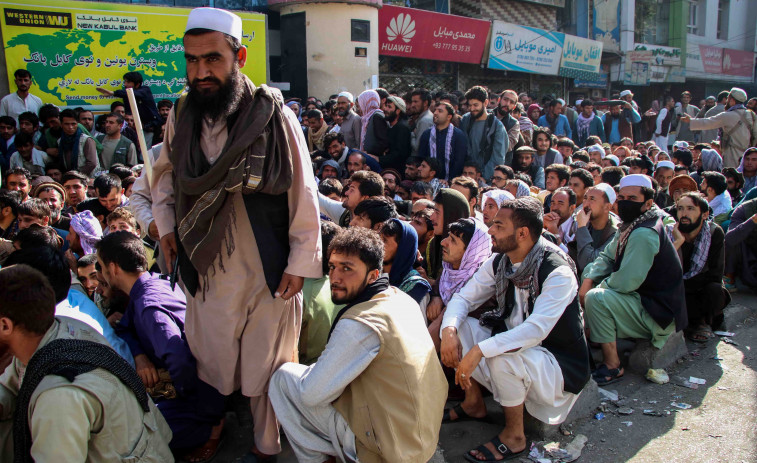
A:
395,406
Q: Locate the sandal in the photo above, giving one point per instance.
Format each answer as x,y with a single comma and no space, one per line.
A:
507,454
601,374
461,415
701,334
205,452
251,457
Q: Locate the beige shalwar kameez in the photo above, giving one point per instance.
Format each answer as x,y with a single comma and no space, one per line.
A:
238,332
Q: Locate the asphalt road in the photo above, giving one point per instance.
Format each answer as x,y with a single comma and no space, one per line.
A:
720,426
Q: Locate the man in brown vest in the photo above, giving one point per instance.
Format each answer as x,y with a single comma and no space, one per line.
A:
377,392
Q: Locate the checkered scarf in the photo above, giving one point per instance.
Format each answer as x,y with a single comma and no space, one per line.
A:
701,251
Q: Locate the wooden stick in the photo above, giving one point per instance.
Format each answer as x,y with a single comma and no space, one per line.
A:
140,133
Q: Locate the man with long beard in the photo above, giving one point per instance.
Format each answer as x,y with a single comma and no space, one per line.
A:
531,349
234,201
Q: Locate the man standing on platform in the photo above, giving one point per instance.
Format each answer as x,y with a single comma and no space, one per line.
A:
235,202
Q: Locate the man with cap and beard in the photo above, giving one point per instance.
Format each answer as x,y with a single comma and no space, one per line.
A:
400,135
595,225
738,127
351,126
634,289
232,153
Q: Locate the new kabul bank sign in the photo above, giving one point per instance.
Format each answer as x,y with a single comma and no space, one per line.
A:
528,49
73,47
412,33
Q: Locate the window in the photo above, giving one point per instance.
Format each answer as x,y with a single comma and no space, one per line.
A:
723,12
360,30
693,27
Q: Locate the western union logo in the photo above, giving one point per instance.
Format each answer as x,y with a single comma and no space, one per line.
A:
29,18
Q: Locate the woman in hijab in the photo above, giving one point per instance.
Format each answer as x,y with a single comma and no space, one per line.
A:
450,206
491,202
374,135
400,252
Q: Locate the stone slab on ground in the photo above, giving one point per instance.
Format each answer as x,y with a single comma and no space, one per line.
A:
645,356
585,405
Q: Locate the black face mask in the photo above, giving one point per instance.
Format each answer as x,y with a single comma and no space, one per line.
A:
689,227
629,210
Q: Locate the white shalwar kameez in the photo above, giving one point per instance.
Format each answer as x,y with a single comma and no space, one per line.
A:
530,375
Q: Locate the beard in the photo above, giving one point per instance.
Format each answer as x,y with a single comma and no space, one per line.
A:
476,114
349,296
391,117
690,226
504,245
220,103
502,111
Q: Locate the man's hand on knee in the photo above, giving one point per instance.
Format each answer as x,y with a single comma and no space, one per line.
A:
451,349
586,286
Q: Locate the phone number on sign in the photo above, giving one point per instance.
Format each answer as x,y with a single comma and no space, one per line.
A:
452,47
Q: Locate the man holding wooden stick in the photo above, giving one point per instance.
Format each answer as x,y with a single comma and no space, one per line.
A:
235,202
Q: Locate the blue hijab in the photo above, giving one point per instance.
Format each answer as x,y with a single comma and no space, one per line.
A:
402,274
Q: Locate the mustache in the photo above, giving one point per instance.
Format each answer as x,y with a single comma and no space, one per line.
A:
208,79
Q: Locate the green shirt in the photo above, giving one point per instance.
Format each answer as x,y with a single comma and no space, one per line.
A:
318,313
641,249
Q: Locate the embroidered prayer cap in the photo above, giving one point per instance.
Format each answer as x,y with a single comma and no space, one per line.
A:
56,186
711,97
215,19
614,159
347,95
398,102
738,94
666,165
607,190
40,180
625,93
525,149
683,182
681,144
597,149
89,230
636,180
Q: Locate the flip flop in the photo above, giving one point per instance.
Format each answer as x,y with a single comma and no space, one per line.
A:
205,452
461,415
501,448
601,374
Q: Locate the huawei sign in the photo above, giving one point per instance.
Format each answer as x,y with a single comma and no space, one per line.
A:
402,26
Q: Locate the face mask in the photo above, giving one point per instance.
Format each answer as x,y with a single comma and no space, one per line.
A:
629,210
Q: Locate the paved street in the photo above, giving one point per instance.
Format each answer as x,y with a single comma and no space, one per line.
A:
720,426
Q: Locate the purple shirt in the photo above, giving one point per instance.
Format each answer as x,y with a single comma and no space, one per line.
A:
153,324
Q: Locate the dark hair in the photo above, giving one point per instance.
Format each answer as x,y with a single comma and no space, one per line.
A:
572,197
47,188
587,102
552,101
314,114
422,188
525,178
425,215
134,77
19,171
577,165
477,93
562,171
702,146
10,199
468,183
128,181
51,262
124,249
683,156
447,107
452,98
328,231
119,117
165,104
585,176
541,130
68,113
463,229
120,171
35,208
21,73
369,183
382,93
683,169
716,181
612,175
473,164
116,104
697,199
392,229
723,96
74,175
330,137
23,139
106,182
378,209
527,212
29,117
731,172
28,299
48,111
566,142
507,170
233,42
35,236
582,156
414,161
86,261
329,186
433,163
423,93
648,192
7,120
364,243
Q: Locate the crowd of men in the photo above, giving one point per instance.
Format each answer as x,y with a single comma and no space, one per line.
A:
319,258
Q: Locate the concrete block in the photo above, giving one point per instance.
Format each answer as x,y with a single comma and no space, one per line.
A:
645,356
585,405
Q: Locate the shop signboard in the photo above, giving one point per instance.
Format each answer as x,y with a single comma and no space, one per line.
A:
637,67
738,63
606,23
525,49
71,48
580,57
412,33
663,56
